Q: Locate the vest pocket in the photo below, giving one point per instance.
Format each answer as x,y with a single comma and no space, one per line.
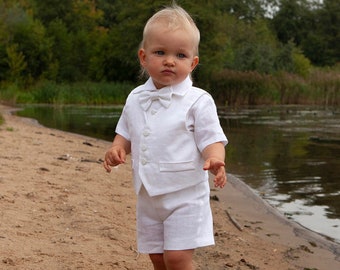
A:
176,166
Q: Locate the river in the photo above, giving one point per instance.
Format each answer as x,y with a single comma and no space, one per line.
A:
289,155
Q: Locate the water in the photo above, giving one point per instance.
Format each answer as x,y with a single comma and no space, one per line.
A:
288,155
291,157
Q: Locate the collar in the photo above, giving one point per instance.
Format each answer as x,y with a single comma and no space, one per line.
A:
179,89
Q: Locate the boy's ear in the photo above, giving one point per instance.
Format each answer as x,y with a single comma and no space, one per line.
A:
141,56
194,63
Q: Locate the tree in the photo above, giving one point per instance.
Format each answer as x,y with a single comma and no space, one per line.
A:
76,40
16,63
255,48
121,62
321,42
247,10
24,38
289,21
35,45
312,26
49,10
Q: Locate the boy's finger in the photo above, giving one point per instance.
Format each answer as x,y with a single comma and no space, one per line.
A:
107,167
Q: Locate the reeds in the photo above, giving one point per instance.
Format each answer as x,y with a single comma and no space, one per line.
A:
233,88
84,93
228,87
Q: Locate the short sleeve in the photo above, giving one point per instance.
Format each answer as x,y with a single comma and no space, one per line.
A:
122,125
205,122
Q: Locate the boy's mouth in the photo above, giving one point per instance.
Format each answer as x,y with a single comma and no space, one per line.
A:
168,71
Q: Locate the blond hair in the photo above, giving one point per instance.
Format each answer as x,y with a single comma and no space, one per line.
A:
173,17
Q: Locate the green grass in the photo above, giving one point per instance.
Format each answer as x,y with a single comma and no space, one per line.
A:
232,87
228,87
84,93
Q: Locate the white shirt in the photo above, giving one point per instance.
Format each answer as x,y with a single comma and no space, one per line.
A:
166,142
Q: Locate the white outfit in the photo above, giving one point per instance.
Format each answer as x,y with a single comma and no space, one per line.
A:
165,223
166,143
168,129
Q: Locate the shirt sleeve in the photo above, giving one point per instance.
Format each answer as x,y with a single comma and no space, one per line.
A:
205,123
122,125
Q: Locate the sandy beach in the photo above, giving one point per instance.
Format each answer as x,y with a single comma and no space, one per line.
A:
59,209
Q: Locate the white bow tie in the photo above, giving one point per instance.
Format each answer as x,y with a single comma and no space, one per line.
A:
147,97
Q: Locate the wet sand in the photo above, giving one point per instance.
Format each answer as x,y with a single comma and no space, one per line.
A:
59,209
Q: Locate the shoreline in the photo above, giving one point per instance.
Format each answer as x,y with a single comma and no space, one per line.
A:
298,229
68,213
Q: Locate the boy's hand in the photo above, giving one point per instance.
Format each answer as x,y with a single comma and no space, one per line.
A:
216,167
114,156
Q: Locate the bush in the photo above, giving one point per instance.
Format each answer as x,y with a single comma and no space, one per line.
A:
292,88
326,86
232,87
82,93
9,93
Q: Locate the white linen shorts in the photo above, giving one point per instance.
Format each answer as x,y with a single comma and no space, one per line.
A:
179,220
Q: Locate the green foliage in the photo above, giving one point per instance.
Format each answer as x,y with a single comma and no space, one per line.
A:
49,10
62,52
321,87
48,48
326,85
2,120
290,19
293,89
321,44
312,26
235,87
16,62
9,92
256,50
35,46
80,93
301,64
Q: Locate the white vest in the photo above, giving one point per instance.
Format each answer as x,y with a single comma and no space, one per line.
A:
165,157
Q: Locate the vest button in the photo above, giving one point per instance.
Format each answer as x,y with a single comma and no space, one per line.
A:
144,161
153,112
146,133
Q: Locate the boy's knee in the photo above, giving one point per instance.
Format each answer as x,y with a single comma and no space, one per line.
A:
181,259
157,261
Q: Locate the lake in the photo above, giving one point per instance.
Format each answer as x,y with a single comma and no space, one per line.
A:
289,155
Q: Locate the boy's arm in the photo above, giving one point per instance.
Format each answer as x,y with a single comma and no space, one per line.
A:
117,153
214,155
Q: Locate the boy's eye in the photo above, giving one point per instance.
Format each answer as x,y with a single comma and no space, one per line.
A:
159,52
181,55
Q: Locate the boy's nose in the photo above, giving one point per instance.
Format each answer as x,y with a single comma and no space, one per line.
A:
169,61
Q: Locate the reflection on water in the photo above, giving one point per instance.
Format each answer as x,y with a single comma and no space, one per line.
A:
289,155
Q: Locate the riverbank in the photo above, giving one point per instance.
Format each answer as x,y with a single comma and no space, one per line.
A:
60,210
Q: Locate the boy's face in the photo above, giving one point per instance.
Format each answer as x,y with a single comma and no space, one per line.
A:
168,55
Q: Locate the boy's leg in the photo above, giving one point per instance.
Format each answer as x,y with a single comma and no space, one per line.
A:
173,260
157,261
179,259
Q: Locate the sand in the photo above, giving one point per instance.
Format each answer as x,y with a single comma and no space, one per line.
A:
59,209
